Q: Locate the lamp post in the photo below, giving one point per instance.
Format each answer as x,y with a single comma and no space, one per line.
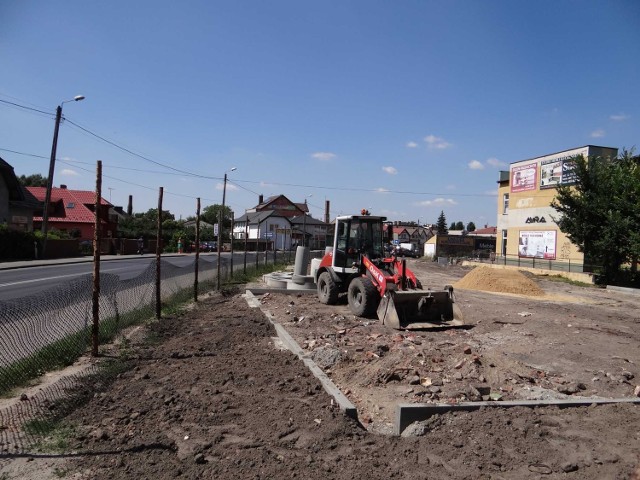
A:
52,163
220,218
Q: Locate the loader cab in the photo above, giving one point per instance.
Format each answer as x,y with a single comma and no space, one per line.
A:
356,236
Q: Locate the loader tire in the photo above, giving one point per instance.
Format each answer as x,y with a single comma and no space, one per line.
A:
327,289
363,297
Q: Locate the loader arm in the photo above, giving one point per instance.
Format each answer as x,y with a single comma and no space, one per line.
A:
377,276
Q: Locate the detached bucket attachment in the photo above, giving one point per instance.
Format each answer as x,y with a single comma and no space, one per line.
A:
419,309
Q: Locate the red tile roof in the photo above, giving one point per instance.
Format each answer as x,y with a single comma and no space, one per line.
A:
74,204
399,230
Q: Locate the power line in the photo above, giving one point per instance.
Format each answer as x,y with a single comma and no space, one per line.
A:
27,108
130,152
237,182
184,172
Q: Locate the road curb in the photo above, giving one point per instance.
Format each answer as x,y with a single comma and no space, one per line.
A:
287,340
407,413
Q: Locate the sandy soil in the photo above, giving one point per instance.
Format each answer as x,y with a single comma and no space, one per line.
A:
213,397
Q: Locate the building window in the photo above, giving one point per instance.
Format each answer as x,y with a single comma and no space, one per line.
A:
505,203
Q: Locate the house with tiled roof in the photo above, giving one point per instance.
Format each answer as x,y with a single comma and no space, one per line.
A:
72,211
281,205
281,223
412,233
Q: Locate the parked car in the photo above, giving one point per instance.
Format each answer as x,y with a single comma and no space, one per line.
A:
404,251
204,247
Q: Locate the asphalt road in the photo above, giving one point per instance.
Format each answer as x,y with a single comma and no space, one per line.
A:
29,280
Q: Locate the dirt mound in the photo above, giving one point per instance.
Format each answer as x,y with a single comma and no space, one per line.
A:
501,281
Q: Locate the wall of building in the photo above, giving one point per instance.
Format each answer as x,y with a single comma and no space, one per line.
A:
527,227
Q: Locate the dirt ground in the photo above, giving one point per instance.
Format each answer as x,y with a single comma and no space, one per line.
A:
210,394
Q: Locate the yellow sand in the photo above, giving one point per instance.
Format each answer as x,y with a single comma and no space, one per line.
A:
500,281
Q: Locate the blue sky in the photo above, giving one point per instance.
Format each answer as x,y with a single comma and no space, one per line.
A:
406,108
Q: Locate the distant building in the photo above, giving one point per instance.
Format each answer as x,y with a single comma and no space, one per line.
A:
526,225
480,243
281,223
398,232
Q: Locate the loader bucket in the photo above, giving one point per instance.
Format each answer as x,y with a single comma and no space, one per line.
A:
419,309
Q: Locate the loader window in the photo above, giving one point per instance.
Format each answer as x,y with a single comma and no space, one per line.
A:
366,237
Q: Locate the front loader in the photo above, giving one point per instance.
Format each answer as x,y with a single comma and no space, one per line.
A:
380,285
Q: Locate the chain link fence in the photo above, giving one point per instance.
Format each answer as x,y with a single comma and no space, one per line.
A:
53,329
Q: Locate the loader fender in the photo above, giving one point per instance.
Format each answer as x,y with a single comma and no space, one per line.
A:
330,271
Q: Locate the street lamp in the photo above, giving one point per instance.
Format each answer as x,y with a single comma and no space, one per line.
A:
52,163
220,217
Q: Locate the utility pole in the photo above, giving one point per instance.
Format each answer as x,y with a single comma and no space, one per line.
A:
52,164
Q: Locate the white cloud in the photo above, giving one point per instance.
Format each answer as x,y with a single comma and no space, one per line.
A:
476,165
412,145
67,172
382,190
324,156
230,186
390,170
620,117
437,201
597,133
494,162
436,142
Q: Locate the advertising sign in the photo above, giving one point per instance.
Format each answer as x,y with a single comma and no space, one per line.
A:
537,244
524,177
556,171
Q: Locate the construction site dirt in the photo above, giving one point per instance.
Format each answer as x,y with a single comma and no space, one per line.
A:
213,396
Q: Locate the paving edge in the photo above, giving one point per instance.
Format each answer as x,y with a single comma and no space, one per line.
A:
290,291
287,340
407,413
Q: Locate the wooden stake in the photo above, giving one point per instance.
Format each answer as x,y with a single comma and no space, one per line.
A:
95,307
158,251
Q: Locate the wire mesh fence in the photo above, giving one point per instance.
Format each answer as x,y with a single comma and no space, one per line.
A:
53,329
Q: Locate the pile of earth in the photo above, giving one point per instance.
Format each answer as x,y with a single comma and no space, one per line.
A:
499,281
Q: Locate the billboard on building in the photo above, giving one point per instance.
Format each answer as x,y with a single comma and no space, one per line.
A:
524,177
557,171
537,244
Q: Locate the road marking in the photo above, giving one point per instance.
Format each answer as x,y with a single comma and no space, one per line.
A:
34,280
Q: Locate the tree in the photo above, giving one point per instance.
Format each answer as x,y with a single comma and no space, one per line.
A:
210,215
471,227
441,224
459,225
146,225
35,180
600,213
452,226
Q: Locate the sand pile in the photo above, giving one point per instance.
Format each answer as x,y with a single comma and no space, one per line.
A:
498,280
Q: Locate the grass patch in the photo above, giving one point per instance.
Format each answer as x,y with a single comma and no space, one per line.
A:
55,437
